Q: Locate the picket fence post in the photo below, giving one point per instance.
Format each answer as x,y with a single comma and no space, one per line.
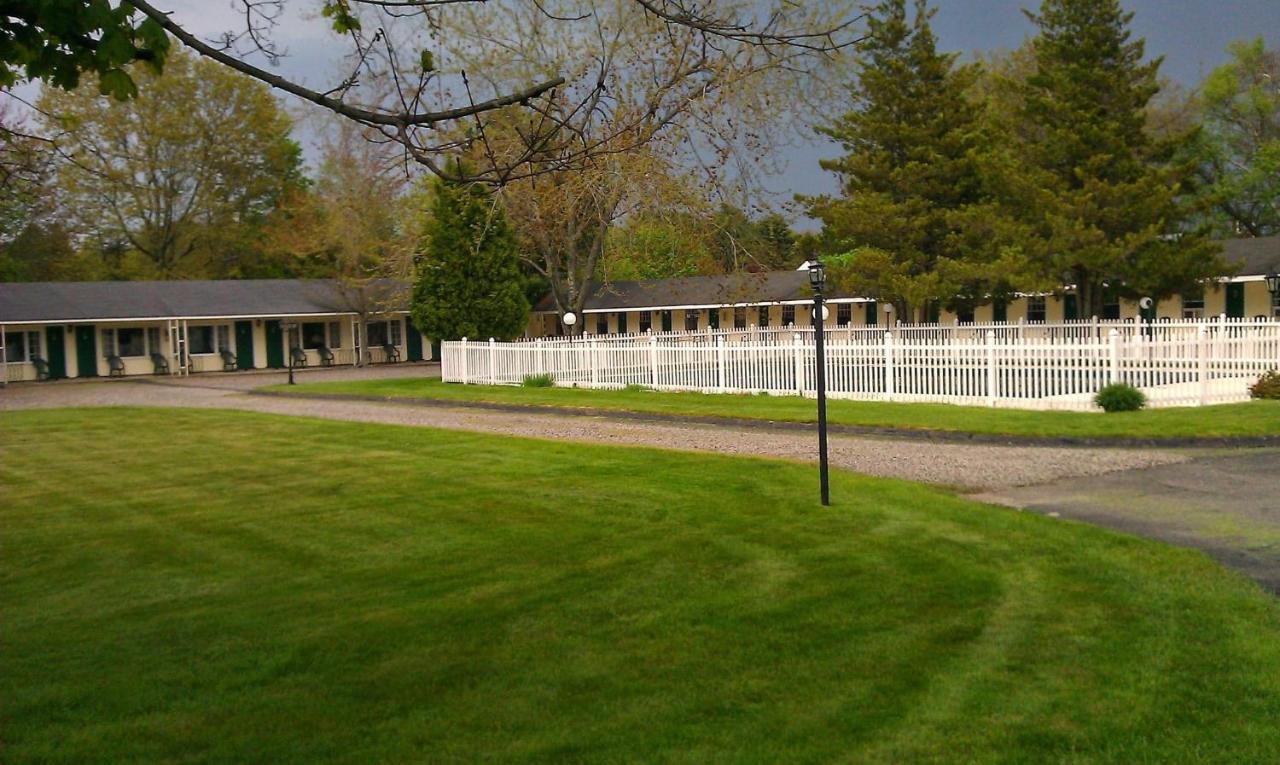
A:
653,361
1202,366
541,363
591,359
991,368
888,366
720,361
493,377
465,353
796,350
1113,375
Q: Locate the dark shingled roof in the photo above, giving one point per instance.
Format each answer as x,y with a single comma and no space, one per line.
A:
81,301
1253,257
728,289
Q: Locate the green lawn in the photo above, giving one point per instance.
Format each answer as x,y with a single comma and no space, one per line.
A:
187,586
1255,418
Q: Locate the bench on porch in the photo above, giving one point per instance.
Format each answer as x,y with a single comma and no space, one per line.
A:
391,352
42,367
115,366
228,360
160,363
297,357
326,356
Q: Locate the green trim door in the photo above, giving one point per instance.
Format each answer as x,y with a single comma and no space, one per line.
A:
244,345
1070,307
1000,311
1235,300
55,342
86,351
413,342
871,314
275,344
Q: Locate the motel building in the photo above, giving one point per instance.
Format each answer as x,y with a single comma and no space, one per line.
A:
779,299
108,329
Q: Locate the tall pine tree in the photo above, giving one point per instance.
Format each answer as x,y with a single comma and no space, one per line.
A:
1100,194
910,186
469,282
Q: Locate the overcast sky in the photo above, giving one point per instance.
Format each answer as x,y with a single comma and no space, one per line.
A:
1192,35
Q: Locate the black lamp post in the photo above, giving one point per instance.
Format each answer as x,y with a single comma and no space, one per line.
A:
817,277
288,328
1273,286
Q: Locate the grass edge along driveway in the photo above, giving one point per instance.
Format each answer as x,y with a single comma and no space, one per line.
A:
1245,420
228,587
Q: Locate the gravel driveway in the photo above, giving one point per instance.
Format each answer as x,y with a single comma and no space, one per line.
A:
967,466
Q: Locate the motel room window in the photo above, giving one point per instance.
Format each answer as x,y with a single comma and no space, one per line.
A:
1035,308
602,324
200,339
131,341
740,318
1193,305
108,343
762,316
335,334
224,337
377,333
313,335
713,318
393,328
622,323
691,320
21,346
844,314
646,321
788,315
1111,308
964,314
153,339
665,316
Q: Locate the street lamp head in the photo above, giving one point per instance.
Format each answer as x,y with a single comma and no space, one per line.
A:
1273,282
817,275
570,318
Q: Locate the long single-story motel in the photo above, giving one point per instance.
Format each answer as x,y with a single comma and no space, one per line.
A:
777,299
87,329
91,329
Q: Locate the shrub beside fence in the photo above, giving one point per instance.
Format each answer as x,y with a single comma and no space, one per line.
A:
1215,362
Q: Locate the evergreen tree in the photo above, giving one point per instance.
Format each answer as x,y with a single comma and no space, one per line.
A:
909,179
469,282
1101,195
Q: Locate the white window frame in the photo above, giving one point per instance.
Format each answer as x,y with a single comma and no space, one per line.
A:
30,341
1193,308
1037,304
213,332
334,334
115,342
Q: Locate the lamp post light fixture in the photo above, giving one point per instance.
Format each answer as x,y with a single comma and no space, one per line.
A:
1273,283
569,319
817,279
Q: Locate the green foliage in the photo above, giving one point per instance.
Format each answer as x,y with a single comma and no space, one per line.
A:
544,380
910,180
1267,386
1119,397
1100,196
216,151
469,282
59,40
1237,151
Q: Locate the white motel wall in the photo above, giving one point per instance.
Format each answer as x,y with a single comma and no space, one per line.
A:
1042,366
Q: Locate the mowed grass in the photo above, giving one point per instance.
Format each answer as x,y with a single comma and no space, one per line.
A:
196,586
1254,418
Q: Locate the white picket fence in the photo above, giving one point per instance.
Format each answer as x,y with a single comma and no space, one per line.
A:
1215,363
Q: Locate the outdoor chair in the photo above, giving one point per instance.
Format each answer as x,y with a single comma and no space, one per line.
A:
42,367
391,352
297,356
115,366
326,356
228,360
160,363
